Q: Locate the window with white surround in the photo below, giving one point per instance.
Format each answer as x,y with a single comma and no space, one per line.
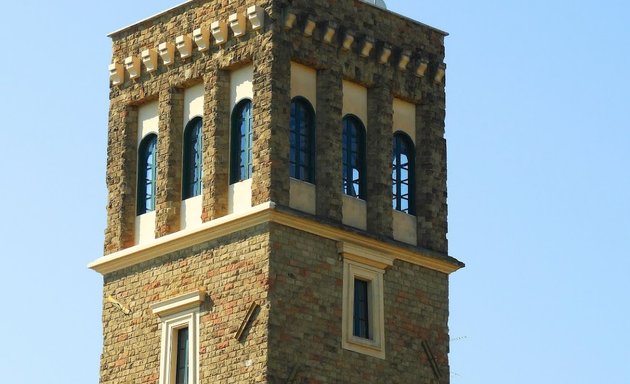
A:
147,174
362,313
355,128
192,166
353,157
179,357
403,174
302,190
148,122
241,139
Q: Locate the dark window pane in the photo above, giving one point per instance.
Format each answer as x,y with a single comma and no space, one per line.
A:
192,159
361,322
147,170
181,367
242,142
403,184
353,154
302,138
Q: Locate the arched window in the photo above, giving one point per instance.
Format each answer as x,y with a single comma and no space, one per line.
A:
302,140
147,170
242,142
403,174
353,151
192,159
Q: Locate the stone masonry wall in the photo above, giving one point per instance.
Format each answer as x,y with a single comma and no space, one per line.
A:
169,163
121,176
295,276
270,51
234,271
384,81
306,281
210,68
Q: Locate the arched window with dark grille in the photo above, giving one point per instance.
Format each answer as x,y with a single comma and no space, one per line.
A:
302,135
403,174
192,168
147,171
242,142
353,152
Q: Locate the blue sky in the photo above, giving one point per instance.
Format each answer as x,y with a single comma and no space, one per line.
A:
539,184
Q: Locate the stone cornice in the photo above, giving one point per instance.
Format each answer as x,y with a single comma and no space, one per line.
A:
262,214
253,18
172,9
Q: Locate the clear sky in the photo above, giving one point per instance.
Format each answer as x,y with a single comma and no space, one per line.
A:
539,186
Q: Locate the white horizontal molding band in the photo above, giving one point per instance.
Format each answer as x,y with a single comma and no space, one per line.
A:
353,242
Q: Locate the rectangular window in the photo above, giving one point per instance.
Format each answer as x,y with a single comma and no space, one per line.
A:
179,317
181,370
363,318
361,321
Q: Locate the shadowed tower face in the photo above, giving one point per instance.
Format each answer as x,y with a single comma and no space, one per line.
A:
277,197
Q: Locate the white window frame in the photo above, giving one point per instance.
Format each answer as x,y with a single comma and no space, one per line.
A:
366,265
175,314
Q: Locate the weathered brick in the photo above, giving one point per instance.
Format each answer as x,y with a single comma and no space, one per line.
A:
296,277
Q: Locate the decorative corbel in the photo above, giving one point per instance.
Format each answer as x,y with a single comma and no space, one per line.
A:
256,16
368,44
219,31
422,67
238,24
386,52
289,20
441,71
167,53
184,46
117,73
331,28
132,65
405,57
348,39
201,36
149,59
309,27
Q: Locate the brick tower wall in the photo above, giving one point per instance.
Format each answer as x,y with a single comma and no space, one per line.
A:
234,271
270,51
306,279
294,276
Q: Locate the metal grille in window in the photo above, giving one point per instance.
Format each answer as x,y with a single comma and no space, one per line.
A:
192,158
302,140
147,165
361,320
403,174
353,153
242,142
181,367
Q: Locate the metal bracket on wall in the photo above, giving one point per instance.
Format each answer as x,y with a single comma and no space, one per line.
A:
117,303
434,366
247,320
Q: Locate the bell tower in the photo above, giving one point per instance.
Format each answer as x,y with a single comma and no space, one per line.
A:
276,207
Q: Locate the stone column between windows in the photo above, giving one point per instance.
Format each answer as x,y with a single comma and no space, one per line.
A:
216,144
271,116
121,176
328,165
169,161
379,160
431,172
